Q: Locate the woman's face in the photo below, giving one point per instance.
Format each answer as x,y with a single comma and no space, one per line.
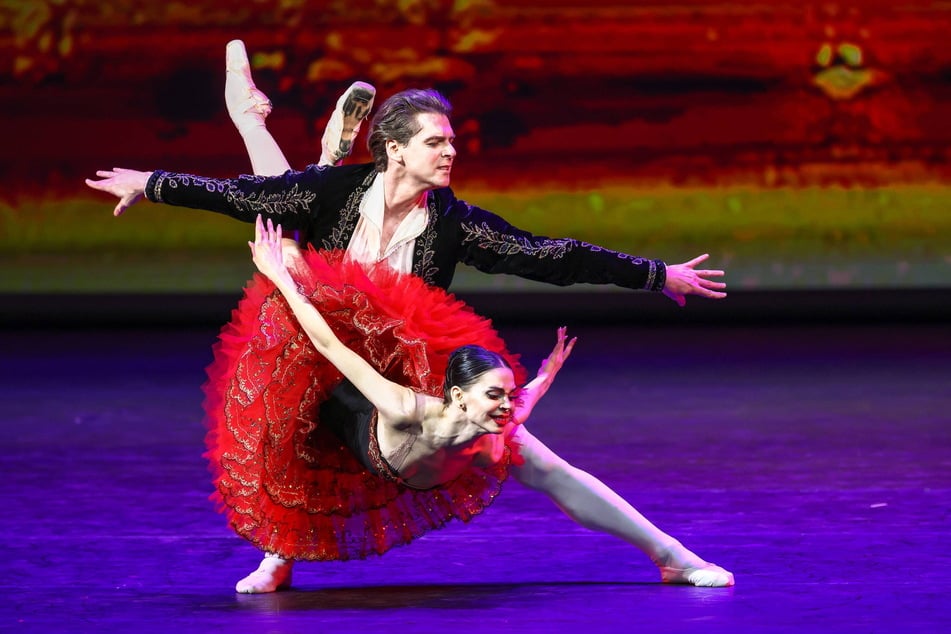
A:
488,401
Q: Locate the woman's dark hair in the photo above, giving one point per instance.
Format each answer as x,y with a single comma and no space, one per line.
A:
396,119
467,364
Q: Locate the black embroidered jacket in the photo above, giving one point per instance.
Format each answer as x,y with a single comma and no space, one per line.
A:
323,203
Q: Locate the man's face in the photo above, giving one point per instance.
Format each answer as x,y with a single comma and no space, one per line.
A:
427,158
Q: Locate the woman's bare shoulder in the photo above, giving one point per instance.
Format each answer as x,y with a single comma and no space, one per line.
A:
419,411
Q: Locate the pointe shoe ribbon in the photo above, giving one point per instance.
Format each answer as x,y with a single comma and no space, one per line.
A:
247,105
706,576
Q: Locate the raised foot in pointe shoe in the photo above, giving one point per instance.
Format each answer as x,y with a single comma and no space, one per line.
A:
247,106
706,576
272,575
352,108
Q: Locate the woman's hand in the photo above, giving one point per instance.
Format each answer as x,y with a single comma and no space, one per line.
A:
266,251
529,395
557,358
293,258
128,185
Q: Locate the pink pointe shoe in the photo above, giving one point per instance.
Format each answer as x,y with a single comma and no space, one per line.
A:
352,108
273,574
706,576
247,105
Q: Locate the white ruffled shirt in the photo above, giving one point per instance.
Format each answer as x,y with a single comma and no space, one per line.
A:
365,244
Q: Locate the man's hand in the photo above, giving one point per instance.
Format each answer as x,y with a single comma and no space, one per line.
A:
128,185
684,279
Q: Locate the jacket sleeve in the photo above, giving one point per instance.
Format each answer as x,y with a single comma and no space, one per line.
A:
290,200
492,245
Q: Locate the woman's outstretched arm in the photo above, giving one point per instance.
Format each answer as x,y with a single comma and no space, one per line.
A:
392,400
536,388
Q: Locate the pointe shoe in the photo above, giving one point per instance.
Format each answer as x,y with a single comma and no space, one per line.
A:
247,105
352,108
707,576
272,575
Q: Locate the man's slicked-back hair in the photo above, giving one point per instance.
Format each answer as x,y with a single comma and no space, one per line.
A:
396,119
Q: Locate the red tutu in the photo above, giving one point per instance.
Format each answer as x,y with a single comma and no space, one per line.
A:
286,482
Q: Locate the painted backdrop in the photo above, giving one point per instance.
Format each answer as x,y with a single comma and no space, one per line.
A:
801,144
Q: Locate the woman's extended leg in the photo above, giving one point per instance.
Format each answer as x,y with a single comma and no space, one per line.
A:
248,107
590,502
352,108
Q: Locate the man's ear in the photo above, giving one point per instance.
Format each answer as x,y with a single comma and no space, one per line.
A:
394,151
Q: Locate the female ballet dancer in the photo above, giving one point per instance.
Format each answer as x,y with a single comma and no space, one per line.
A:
388,461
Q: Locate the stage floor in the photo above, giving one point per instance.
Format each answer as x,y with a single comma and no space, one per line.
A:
811,461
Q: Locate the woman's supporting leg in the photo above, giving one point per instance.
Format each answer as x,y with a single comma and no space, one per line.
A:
273,573
592,504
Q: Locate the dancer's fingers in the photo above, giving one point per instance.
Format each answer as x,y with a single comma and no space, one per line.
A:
258,229
570,347
697,260
711,284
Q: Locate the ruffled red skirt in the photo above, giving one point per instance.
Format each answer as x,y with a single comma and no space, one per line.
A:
286,482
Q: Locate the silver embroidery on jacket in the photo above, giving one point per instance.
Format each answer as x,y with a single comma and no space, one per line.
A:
339,237
290,201
424,252
508,244
651,276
